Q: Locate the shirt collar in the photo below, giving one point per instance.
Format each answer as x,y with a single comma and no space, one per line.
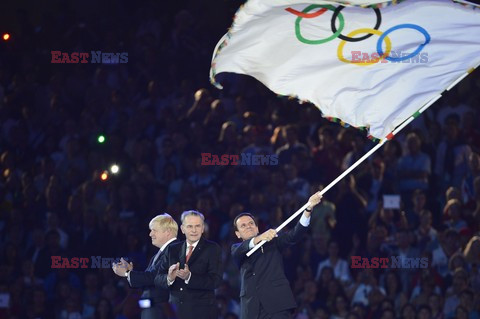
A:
194,244
166,244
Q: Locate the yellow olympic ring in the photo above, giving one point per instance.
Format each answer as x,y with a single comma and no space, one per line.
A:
359,31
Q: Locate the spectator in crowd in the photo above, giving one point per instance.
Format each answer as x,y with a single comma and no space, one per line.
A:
468,190
425,234
339,265
453,215
453,293
292,145
452,155
413,168
419,203
472,251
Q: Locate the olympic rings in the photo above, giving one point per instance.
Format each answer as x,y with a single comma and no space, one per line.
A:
346,38
371,32
306,10
403,26
383,36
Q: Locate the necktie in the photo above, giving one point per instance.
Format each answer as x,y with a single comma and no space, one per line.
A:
152,261
189,253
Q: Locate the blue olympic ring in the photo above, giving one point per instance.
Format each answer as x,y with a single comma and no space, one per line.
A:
403,26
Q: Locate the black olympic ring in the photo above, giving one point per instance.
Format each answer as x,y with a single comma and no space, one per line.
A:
334,29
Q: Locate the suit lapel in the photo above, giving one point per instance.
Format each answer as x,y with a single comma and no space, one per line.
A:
182,253
196,252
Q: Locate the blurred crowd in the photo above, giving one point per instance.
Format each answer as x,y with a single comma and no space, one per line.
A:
158,114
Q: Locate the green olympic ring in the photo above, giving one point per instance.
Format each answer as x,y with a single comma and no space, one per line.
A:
330,38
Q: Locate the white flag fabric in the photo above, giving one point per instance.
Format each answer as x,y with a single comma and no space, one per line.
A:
369,67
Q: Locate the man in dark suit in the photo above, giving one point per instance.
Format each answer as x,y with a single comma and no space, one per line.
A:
191,270
265,291
163,231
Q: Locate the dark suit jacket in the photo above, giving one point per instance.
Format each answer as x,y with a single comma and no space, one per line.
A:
197,299
263,279
146,281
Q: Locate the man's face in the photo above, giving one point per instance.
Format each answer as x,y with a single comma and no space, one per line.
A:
192,228
159,235
246,228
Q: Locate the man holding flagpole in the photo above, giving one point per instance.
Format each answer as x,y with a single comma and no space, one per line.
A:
265,291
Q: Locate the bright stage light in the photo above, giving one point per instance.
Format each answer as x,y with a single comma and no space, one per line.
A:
104,176
114,169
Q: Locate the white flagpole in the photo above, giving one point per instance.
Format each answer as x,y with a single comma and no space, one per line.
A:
351,168
323,191
467,3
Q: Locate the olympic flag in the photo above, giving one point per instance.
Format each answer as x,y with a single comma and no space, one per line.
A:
369,67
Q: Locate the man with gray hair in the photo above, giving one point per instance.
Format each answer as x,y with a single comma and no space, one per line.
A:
191,270
163,231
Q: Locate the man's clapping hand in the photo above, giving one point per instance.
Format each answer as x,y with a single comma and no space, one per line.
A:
172,272
184,273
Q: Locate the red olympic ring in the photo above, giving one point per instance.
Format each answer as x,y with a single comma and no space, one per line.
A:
306,15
